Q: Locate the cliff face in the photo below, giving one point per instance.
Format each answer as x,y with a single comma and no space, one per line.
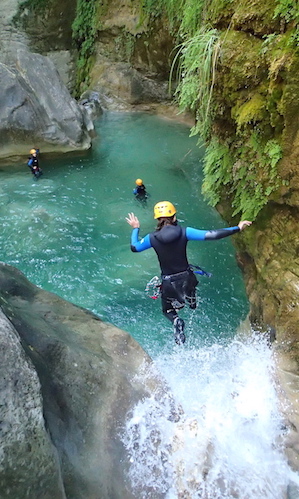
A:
36,107
68,381
132,57
256,109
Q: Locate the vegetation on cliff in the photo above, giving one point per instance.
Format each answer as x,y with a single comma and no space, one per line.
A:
84,28
235,66
232,66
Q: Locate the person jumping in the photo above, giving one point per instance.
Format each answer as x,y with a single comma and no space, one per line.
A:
169,241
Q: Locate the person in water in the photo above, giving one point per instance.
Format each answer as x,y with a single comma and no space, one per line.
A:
169,241
140,191
33,163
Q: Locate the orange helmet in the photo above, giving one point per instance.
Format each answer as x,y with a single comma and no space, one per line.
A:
164,209
32,151
138,181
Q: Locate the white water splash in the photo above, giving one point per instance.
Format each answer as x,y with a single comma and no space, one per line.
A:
227,442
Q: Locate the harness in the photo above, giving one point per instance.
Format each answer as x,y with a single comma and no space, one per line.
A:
175,277
153,287
200,271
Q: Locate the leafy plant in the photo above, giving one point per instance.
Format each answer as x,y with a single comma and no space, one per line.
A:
288,9
184,16
249,174
196,75
217,170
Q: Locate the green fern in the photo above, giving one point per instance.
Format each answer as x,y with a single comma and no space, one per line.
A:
287,9
249,174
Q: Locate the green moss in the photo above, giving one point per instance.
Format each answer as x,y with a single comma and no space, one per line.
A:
240,66
251,111
124,46
85,28
256,15
219,11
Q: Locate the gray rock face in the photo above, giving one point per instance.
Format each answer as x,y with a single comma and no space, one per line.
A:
86,369
37,109
27,455
121,86
45,29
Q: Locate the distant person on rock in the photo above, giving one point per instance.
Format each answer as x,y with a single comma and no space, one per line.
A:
33,163
140,191
169,241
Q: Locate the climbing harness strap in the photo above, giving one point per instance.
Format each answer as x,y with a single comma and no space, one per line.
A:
199,270
153,287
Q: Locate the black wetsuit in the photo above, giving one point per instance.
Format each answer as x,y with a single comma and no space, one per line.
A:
140,193
178,280
34,166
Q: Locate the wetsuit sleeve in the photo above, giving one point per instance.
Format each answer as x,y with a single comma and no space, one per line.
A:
210,235
30,162
141,245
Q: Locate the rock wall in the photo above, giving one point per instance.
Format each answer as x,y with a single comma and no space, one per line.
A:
45,31
68,383
27,455
36,109
256,93
132,59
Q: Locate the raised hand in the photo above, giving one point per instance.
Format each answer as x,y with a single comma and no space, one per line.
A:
133,221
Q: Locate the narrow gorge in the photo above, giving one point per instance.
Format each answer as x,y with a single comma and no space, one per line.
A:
226,68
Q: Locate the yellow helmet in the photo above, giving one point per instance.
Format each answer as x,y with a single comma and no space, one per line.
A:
138,181
164,209
32,151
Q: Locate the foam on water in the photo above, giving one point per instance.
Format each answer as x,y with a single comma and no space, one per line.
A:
228,440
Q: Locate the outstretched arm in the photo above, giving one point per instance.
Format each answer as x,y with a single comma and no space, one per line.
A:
210,235
137,245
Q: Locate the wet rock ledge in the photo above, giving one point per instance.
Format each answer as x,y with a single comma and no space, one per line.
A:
66,386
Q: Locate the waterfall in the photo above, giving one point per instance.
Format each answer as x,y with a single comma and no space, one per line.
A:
227,438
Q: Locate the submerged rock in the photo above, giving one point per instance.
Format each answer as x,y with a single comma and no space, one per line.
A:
87,371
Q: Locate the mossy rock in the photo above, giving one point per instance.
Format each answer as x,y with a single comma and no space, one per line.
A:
240,66
219,13
254,16
252,111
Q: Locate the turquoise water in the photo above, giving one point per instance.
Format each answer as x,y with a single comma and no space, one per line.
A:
67,232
